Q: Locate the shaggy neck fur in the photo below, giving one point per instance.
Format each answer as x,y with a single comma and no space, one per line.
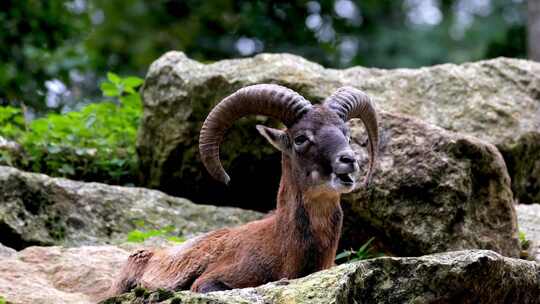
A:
308,225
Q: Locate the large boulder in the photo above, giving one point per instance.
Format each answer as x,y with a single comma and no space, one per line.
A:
454,277
434,191
496,100
37,209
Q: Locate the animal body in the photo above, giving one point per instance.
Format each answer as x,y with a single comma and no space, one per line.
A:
301,236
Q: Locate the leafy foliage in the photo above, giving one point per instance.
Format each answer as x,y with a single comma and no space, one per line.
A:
363,253
12,122
40,41
95,143
68,40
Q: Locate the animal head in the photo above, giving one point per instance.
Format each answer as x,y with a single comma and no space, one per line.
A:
316,140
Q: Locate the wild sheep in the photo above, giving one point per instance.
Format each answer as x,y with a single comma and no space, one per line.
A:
301,236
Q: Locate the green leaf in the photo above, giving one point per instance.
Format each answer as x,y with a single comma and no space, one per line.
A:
364,252
344,254
109,89
90,120
365,245
118,162
113,78
132,82
132,100
67,169
129,90
522,236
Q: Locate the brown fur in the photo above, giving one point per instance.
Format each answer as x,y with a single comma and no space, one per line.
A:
278,246
299,238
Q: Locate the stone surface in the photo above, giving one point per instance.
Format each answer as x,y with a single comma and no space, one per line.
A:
83,275
59,275
455,277
6,251
523,161
529,225
496,100
434,190
37,209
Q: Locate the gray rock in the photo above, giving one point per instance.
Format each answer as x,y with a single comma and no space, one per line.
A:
523,161
433,191
37,209
6,251
496,100
474,276
529,225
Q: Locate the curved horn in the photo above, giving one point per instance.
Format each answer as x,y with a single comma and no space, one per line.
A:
349,103
262,99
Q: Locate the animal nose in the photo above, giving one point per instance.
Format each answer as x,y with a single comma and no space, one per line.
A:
345,162
346,157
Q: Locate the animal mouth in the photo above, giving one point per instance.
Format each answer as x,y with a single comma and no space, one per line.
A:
345,179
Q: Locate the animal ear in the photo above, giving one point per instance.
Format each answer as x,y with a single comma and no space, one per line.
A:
277,138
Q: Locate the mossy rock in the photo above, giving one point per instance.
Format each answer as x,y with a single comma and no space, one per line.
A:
39,210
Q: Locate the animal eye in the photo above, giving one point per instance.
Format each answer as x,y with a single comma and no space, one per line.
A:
299,140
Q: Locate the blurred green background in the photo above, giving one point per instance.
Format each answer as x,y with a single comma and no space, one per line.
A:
54,53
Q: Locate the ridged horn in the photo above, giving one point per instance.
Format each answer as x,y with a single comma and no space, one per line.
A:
349,103
261,99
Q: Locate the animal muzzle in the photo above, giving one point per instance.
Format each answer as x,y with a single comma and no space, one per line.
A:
345,169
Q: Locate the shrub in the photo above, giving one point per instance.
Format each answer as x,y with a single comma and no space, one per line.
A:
11,122
96,143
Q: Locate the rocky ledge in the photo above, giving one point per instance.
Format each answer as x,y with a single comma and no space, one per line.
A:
471,276
36,209
83,275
